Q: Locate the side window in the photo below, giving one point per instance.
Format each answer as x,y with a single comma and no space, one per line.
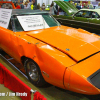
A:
79,14
10,25
49,20
17,25
95,15
85,14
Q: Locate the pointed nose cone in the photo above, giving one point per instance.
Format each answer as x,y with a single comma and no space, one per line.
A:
84,77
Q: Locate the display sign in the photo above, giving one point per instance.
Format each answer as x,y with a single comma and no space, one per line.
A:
32,22
5,15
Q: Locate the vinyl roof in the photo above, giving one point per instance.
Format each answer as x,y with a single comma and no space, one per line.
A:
95,10
27,11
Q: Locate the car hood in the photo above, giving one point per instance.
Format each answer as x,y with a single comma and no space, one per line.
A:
76,43
67,7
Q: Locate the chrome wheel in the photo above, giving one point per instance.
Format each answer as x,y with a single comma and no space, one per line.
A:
32,71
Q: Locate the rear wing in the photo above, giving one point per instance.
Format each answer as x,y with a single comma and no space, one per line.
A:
67,7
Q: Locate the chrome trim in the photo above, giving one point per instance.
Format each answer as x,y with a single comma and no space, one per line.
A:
79,21
73,20
14,66
44,73
10,58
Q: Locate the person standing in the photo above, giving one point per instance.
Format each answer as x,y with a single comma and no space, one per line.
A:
17,5
32,5
52,9
38,6
91,6
0,5
43,6
22,5
85,5
26,5
56,9
98,7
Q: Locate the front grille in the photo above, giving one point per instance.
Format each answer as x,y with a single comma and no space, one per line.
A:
95,79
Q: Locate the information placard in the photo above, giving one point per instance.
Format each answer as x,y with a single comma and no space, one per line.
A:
32,22
5,15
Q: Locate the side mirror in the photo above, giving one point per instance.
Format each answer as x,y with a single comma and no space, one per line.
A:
73,16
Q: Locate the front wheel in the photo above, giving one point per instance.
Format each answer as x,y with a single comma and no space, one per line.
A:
33,72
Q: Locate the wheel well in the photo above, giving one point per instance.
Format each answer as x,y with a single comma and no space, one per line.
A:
23,58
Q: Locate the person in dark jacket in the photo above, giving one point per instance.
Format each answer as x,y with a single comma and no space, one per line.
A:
22,5
78,6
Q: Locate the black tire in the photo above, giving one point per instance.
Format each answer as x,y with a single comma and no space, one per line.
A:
33,72
0,51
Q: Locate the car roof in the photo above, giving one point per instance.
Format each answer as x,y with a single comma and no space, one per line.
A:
96,10
27,11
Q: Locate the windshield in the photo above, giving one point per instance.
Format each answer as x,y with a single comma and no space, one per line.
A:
46,21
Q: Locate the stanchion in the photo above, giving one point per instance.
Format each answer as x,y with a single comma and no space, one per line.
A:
32,93
6,72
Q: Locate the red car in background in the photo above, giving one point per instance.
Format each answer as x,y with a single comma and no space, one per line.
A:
7,5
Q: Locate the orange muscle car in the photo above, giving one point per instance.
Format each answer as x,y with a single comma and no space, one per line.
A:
62,56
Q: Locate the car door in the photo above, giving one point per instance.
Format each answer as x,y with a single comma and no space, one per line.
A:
64,20
94,23
15,38
9,40
6,40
